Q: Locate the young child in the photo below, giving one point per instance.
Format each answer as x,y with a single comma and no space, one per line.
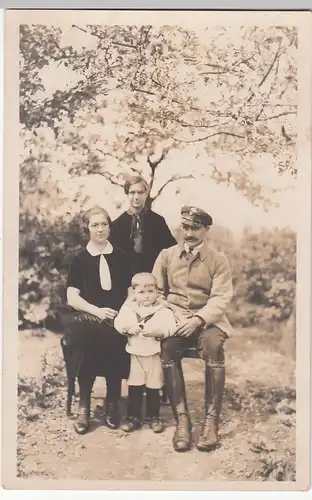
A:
146,320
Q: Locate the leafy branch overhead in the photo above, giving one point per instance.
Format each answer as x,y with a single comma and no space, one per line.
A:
138,87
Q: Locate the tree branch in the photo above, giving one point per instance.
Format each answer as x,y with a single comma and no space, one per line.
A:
156,82
185,124
93,33
265,76
224,69
268,95
146,34
211,135
108,154
288,139
212,65
172,179
109,177
135,89
154,164
125,45
78,28
270,67
277,116
192,108
214,72
246,62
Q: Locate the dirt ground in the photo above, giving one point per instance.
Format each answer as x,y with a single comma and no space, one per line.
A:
257,431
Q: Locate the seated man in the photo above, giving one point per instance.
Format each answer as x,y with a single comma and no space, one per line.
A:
196,281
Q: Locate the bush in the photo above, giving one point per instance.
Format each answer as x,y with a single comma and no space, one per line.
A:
264,277
46,250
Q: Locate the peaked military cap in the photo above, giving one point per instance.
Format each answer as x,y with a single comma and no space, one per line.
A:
195,216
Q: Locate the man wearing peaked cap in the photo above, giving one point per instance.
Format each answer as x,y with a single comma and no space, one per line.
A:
195,216
196,281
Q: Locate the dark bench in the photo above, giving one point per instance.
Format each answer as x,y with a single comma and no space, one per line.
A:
191,353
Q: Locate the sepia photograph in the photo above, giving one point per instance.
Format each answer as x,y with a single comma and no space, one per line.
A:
162,165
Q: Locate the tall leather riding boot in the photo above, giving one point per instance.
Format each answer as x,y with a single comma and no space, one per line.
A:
174,382
164,396
214,387
85,389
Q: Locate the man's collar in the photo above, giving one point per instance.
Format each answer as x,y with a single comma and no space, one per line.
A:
201,249
94,250
193,249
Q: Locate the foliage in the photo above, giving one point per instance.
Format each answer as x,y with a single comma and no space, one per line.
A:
264,276
138,92
45,252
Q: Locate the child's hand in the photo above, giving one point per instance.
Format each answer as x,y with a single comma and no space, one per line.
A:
135,330
147,333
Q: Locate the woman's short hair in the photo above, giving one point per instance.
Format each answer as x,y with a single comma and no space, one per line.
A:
135,179
97,210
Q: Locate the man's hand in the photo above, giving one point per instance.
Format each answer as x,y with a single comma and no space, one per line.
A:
148,333
105,313
188,327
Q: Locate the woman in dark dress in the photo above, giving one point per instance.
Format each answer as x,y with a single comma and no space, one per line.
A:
139,231
97,286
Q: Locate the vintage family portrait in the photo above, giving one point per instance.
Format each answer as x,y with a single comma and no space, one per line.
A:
157,213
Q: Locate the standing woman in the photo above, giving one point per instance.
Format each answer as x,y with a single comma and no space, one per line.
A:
139,231
97,286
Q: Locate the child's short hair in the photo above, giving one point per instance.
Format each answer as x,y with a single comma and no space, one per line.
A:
143,279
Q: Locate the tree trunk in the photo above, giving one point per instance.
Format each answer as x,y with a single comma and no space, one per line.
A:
149,202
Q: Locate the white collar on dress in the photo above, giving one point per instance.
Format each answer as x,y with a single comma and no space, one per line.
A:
94,249
105,277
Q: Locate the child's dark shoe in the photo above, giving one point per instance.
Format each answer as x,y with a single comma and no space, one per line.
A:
157,425
131,425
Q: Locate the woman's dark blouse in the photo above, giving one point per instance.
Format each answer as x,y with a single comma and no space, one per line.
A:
84,275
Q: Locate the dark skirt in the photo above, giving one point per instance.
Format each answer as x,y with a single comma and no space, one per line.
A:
94,347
